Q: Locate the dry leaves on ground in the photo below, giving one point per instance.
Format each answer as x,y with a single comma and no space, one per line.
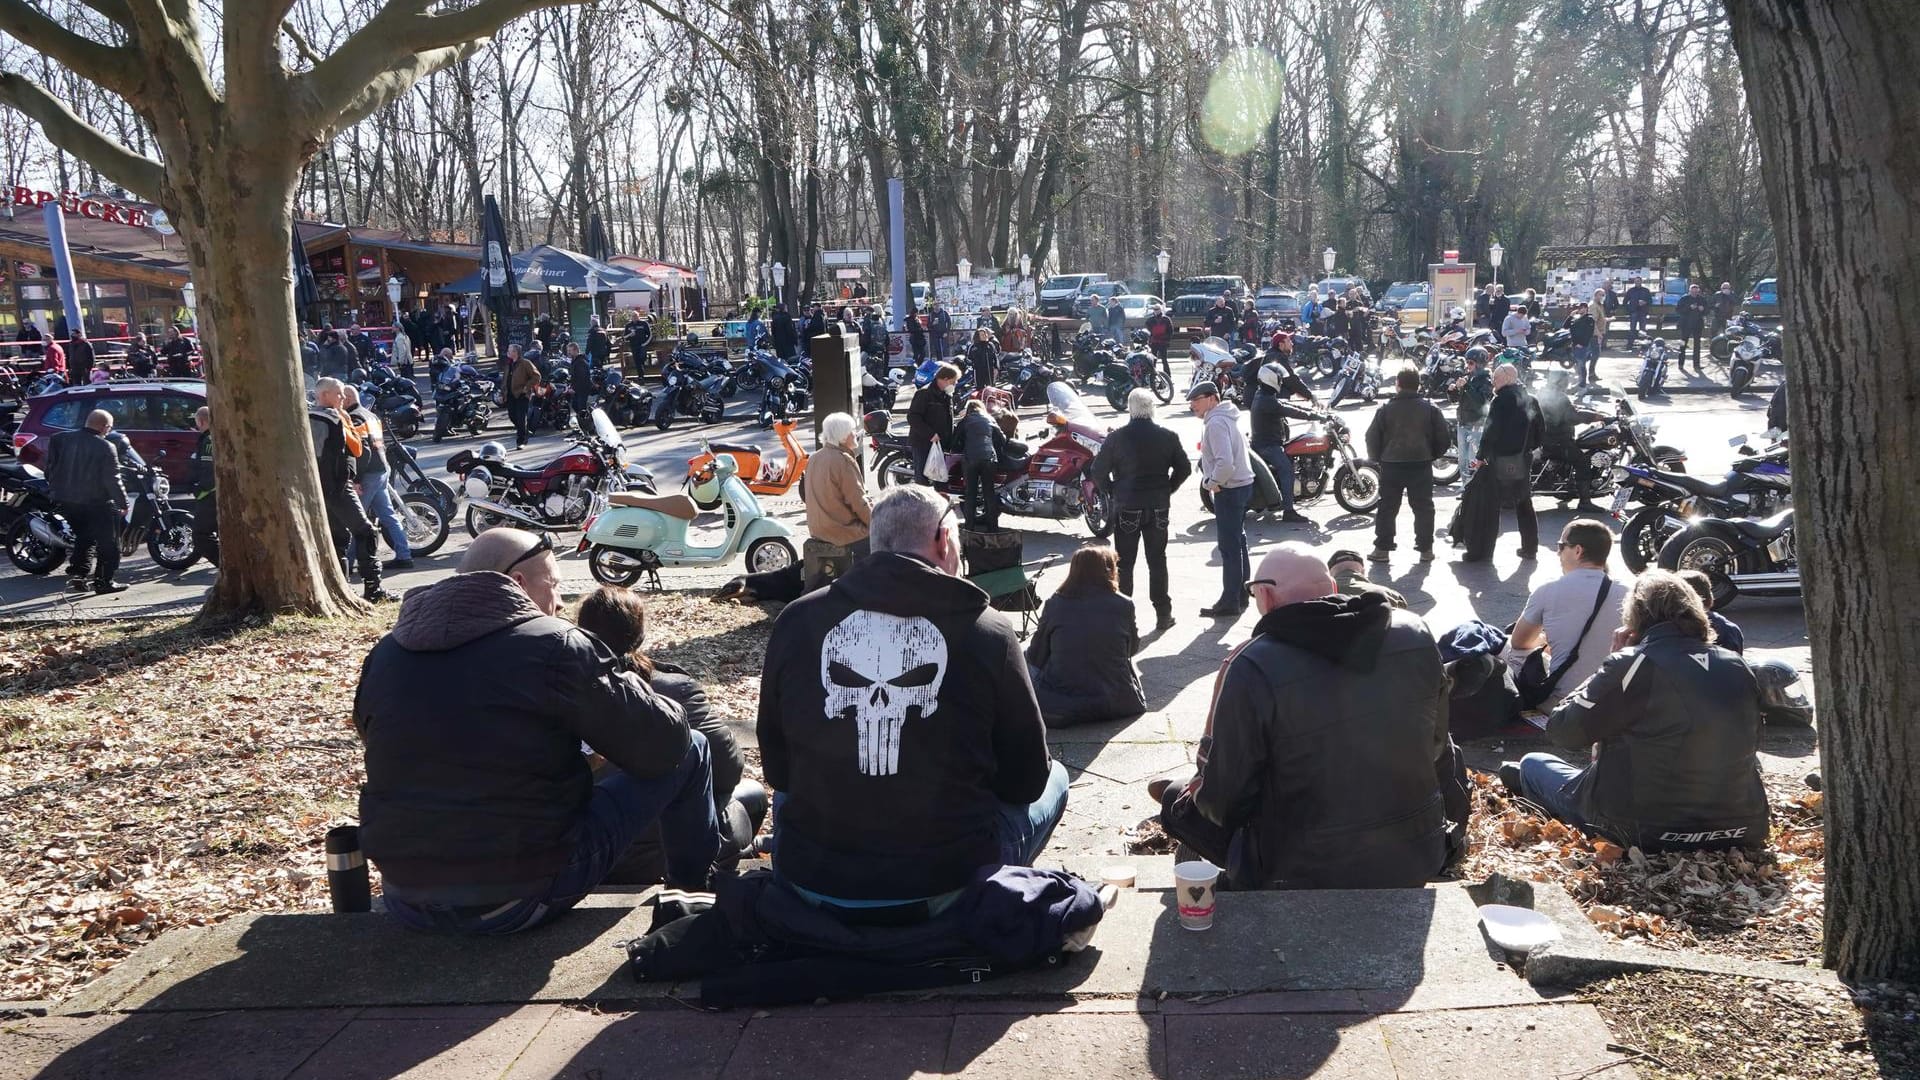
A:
154,776
1761,905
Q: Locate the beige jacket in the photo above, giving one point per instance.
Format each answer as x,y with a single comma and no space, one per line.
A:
523,378
837,507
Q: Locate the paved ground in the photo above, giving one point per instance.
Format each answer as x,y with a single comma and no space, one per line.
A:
1282,1030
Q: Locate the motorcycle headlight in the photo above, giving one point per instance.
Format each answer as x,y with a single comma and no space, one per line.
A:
1620,474
479,483
162,487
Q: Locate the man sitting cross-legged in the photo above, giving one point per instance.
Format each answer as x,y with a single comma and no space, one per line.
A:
898,722
479,808
1319,767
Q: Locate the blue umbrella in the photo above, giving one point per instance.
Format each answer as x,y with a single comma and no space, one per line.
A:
538,269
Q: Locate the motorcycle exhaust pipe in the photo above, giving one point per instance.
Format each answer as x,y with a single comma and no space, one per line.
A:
44,532
488,506
1764,581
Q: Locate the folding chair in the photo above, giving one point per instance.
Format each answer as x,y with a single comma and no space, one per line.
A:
1016,589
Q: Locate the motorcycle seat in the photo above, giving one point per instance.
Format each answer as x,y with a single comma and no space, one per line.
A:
1695,484
677,505
14,470
735,448
514,472
1767,528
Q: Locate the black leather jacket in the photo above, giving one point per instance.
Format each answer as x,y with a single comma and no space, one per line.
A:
1321,749
83,469
1677,723
1270,413
1408,428
1142,464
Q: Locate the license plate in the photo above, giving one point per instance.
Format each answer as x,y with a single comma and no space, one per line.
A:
1620,499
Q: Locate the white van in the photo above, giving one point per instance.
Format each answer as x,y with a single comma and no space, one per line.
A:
1057,296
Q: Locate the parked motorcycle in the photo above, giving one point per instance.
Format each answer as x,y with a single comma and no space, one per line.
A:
404,465
1140,368
1027,377
1358,375
785,388
37,536
465,401
558,494
764,475
1052,481
1740,556
1323,457
631,535
1759,484
625,403
880,393
1753,348
1091,353
395,400
1653,369
1214,362
688,388
1605,442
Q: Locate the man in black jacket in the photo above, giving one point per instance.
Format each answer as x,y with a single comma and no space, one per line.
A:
206,505
1139,467
176,354
1513,431
479,807
1318,769
599,346
1690,315
1220,320
939,327
1277,383
1639,303
1407,435
580,373
83,475
898,720
336,448
785,333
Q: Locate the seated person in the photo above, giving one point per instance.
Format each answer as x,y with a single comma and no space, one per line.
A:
479,808
1726,633
1558,612
1675,727
1082,652
618,617
1320,764
898,722
1349,572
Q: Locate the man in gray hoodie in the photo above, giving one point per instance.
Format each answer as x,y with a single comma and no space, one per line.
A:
1226,473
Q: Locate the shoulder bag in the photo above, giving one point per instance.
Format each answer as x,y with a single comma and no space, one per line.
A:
1535,682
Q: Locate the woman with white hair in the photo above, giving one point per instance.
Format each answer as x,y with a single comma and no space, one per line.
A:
838,511
1512,431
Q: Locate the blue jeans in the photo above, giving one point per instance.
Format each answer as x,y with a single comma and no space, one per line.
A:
377,497
1548,780
1467,436
621,807
1282,466
1230,525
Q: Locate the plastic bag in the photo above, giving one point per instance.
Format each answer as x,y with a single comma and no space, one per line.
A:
936,466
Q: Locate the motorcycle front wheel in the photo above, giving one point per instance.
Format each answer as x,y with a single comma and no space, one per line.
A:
1738,377
1357,488
1328,363
1162,388
611,567
769,553
172,544
1099,514
424,521
1117,395
28,552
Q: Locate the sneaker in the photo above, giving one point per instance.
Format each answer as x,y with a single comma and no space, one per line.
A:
1379,555
377,595
397,564
1510,776
1164,621
108,588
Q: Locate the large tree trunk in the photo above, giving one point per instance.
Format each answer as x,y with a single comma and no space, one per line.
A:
1831,86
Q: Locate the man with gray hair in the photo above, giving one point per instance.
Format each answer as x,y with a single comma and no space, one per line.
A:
898,721
479,806
337,448
83,474
1138,469
1319,768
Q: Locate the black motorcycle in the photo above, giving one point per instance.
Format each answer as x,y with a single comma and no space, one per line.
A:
626,403
395,400
1140,369
1027,376
1585,468
465,403
785,389
37,536
1090,353
404,466
688,388
1740,556
1758,485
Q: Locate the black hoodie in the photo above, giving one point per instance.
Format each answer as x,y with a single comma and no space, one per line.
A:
900,809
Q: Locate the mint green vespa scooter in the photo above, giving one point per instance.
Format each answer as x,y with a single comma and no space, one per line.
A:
633,535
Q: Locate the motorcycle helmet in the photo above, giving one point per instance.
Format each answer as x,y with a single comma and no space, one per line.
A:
1271,376
1140,337
493,451
1456,313
357,376
1782,699
1477,354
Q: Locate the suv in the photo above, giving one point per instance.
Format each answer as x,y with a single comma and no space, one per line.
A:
1062,292
156,416
1396,296
1338,286
1106,290
1189,312
1215,284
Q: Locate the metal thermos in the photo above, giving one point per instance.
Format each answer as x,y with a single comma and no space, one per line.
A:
347,881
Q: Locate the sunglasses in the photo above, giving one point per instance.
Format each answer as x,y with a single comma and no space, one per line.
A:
1257,581
1563,545
543,547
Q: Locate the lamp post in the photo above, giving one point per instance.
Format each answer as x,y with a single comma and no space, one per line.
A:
393,299
593,294
1494,255
779,282
1326,260
700,283
766,276
673,292
187,298
1160,263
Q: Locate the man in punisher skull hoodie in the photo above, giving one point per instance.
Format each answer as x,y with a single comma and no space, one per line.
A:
898,722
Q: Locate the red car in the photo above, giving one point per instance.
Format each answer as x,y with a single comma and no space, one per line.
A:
156,416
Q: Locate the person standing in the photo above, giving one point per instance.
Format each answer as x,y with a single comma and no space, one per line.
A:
336,448
376,497
523,378
917,338
1139,467
1690,315
1220,321
580,375
1470,418
1226,471
1498,308
177,355
939,326
1639,301
1515,328
1359,326
639,334
142,361
930,419
1601,308
1407,434
1097,317
1159,334
1725,303
1512,434
599,347
838,511
206,505
983,356
83,475
1586,345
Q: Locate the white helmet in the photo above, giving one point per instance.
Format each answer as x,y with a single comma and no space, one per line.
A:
1270,376
1456,312
492,451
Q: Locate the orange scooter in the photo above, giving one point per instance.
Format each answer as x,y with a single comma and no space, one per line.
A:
768,476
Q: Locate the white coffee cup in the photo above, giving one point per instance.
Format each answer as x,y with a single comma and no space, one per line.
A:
1119,876
1193,888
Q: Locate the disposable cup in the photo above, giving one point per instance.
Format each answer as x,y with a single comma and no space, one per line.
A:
1118,876
1193,887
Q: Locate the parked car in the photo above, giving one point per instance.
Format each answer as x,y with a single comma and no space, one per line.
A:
1277,304
1104,289
1338,286
1764,301
1137,306
1215,284
1061,291
156,416
1396,295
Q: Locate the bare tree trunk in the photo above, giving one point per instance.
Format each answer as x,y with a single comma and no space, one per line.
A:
1831,87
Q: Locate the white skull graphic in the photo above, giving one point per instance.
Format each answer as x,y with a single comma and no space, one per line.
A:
878,667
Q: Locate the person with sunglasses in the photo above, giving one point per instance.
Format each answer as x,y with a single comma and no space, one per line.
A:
1320,765
479,808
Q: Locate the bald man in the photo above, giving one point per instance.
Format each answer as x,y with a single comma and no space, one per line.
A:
83,475
1318,768
479,807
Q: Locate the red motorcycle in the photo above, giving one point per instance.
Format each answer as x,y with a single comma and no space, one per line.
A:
556,495
1052,481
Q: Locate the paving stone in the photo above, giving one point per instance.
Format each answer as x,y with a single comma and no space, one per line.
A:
874,1048
1125,763
1234,1046
1540,1040
1078,1045
452,1043
200,1046
1266,1003
660,1045
29,1044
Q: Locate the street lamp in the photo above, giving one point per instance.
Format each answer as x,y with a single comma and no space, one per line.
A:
1026,266
393,299
593,293
964,270
1494,255
779,282
766,275
700,281
1326,260
1160,263
673,293
187,298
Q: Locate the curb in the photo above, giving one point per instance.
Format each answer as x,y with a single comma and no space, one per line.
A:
1567,963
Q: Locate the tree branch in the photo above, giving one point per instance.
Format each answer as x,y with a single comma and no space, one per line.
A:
141,175
110,66
300,46
387,86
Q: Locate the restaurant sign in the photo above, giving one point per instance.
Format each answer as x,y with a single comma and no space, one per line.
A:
84,206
